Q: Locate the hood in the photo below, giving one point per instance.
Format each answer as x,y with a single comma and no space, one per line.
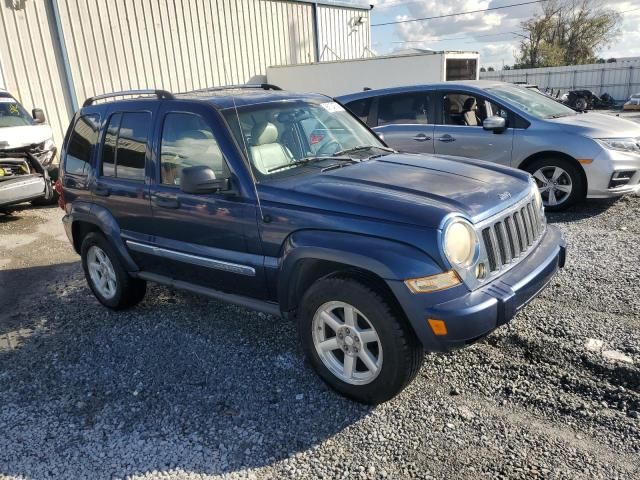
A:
413,189
16,137
598,125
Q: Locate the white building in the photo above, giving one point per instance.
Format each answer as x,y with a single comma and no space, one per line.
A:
56,53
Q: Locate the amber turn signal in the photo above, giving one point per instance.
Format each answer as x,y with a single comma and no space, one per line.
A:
438,327
433,283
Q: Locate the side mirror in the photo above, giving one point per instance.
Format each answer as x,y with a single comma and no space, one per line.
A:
38,115
201,179
495,124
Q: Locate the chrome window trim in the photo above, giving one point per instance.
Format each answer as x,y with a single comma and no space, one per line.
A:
192,259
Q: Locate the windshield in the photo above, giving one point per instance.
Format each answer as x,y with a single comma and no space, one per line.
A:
291,138
539,106
12,114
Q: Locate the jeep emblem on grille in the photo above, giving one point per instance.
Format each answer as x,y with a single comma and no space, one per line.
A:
504,196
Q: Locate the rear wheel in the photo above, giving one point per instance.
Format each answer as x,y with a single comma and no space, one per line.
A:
356,341
106,276
559,181
581,103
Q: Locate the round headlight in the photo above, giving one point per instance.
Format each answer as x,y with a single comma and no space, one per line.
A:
460,243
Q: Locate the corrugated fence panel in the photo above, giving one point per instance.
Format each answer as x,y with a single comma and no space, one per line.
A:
344,30
30,60
619,80
179,45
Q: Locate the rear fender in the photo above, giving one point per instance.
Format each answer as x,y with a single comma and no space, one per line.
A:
104,221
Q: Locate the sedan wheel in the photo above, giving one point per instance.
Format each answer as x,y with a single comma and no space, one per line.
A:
101,272
554,184
347,343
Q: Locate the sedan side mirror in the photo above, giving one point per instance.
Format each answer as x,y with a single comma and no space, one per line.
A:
495,124
201,179
38,115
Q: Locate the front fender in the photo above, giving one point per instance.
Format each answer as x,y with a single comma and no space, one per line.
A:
388,259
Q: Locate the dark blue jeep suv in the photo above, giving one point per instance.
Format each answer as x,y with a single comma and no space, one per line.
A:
377,255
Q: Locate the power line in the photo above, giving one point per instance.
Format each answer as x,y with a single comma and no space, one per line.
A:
456,14
442,39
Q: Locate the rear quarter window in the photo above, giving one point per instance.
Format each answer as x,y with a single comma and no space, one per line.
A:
80,147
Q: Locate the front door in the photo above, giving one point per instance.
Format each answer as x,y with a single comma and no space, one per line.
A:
200,238
459,131
405,122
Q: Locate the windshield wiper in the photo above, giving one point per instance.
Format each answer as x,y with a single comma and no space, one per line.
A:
360,148
307,160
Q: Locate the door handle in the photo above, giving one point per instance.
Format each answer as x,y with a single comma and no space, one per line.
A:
101,190
421,137
446,138
165,201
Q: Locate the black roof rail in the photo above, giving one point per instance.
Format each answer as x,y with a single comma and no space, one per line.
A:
263,86
161,94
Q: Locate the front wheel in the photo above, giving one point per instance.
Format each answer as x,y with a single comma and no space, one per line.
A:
356,341
559,181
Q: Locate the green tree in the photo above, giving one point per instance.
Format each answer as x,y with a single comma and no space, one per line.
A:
567,32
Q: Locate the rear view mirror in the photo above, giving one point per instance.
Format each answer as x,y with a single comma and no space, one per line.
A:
201,179
495,123
38,115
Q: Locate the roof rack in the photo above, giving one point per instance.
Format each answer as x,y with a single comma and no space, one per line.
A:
161,94
263,86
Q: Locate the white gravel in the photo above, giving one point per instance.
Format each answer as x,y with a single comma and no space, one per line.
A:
184,387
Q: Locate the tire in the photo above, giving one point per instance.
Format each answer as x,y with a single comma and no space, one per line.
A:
581,103
50,196
545,169
396,352
123,290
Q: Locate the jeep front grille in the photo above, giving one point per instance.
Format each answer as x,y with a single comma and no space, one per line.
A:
509,237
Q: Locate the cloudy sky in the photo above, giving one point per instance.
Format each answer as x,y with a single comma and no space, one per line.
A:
490,33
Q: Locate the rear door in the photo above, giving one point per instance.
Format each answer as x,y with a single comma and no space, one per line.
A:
463,135
405,121
201,238
121,184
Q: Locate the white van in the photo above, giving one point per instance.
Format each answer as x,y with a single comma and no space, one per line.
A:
27,155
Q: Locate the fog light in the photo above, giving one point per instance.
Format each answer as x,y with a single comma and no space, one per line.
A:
481,271
433,283
438,327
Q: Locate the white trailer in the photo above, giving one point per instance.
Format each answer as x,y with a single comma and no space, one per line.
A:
348,76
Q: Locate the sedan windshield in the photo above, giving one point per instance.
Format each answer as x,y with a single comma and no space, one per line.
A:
300,137
533,103
12,114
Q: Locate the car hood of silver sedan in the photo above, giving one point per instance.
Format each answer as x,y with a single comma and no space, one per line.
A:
598,125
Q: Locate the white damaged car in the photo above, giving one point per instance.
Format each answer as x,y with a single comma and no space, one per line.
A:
27,155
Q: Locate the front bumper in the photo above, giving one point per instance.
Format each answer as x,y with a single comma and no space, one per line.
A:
20,189
471,315
603,166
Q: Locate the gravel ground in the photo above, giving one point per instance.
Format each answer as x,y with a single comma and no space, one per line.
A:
185,387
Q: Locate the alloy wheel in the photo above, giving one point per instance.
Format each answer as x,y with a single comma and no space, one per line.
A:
554,184
101,272
347,343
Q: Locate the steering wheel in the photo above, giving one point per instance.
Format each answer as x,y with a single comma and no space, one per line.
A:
329,148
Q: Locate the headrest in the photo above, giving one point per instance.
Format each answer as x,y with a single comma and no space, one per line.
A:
469,103
264,133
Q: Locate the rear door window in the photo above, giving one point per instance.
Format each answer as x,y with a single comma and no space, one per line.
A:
360,108
81,144
125,146
405,108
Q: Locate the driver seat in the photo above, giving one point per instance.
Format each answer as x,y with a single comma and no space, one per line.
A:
266,152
